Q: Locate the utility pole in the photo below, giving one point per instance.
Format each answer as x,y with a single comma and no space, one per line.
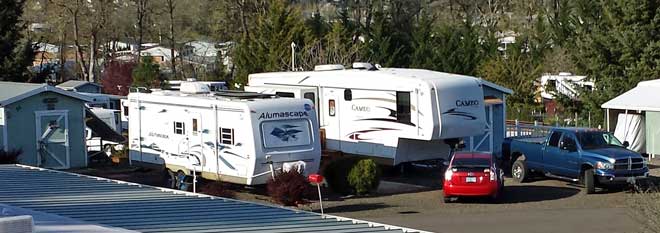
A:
293,56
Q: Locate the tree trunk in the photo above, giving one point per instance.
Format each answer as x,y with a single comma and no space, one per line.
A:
61,72
76,40
170,4
92,59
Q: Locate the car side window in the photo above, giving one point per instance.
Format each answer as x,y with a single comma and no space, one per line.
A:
554,139
568,142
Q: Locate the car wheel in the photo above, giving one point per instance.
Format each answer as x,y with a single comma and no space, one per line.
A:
589,185
519,171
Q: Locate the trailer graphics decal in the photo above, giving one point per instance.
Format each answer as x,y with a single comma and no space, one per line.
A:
465,115
272,115
286,133
357,134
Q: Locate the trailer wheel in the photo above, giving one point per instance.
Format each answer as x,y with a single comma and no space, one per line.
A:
589,185
170,179
181,181
519,171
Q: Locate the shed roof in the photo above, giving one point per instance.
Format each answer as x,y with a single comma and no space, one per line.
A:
11,92
150,209
644,97
71,84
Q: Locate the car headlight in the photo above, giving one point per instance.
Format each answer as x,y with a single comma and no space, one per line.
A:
604,165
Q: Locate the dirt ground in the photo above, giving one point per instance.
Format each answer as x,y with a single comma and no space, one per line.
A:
542,205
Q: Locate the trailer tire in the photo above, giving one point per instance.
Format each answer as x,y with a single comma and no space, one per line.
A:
589,183
170,179
519,171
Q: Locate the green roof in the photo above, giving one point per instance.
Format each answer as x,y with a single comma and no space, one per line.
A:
11,92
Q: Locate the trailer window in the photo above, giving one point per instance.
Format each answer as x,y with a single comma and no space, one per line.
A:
227,136
348,95
403,107
125,110
554,139
286,133
310,96
179,128
285,94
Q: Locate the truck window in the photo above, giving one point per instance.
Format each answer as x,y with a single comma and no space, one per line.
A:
566,140
285,94
403,107
554,139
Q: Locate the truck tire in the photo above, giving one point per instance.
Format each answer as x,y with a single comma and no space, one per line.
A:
519,171
589,185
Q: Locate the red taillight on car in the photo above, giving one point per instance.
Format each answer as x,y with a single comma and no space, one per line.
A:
448,174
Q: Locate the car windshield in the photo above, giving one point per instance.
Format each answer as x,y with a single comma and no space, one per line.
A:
470,163
593,140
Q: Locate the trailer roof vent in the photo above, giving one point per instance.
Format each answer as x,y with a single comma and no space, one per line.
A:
328,67
194,88
364,66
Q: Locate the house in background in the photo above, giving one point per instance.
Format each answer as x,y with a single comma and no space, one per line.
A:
45,122
159,54
46,53
80,86
565,84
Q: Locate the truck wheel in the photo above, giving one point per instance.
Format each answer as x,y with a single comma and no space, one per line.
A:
589,186
519,171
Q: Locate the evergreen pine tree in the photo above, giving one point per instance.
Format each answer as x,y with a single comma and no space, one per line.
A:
16,53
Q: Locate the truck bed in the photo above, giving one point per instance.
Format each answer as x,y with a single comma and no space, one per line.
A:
529,139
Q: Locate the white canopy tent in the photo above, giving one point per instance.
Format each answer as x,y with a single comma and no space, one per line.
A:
643,102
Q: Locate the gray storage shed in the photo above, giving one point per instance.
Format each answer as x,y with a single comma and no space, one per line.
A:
45,122
495,131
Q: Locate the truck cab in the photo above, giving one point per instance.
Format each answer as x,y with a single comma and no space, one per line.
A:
593,157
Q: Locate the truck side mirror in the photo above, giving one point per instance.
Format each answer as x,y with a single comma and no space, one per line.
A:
626,144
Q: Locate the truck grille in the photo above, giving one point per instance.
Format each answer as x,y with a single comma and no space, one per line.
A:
629,164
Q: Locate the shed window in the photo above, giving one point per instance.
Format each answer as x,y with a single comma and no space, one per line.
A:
285,94
179,128
227,136
403,107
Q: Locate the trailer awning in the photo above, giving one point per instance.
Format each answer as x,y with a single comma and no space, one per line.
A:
644,97
101,129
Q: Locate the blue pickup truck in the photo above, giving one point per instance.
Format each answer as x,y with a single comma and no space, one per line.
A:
592,157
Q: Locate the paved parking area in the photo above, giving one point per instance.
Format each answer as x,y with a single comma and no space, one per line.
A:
543,205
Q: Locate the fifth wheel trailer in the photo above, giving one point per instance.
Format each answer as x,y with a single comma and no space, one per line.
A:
236,137
399,115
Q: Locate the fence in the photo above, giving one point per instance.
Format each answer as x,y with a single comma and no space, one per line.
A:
517,128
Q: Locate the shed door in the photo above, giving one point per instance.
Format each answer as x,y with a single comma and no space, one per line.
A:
52,139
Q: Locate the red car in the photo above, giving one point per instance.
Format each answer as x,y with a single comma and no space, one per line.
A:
473,174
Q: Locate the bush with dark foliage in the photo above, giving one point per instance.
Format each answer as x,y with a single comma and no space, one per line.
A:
336,174
216,188
10,157
289,188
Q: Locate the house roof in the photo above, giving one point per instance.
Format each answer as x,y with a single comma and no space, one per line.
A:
146,208
644,97
159,51
11,92
72,84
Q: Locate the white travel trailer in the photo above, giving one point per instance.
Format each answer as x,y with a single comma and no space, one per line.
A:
237,137
399,115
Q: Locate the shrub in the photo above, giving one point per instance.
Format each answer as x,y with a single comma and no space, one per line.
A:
10,157
364,177
352,175
288,188
216,188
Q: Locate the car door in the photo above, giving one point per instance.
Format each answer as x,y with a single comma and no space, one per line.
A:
569,155
551,152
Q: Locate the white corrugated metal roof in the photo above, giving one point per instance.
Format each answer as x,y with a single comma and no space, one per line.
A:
644,97
150,209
